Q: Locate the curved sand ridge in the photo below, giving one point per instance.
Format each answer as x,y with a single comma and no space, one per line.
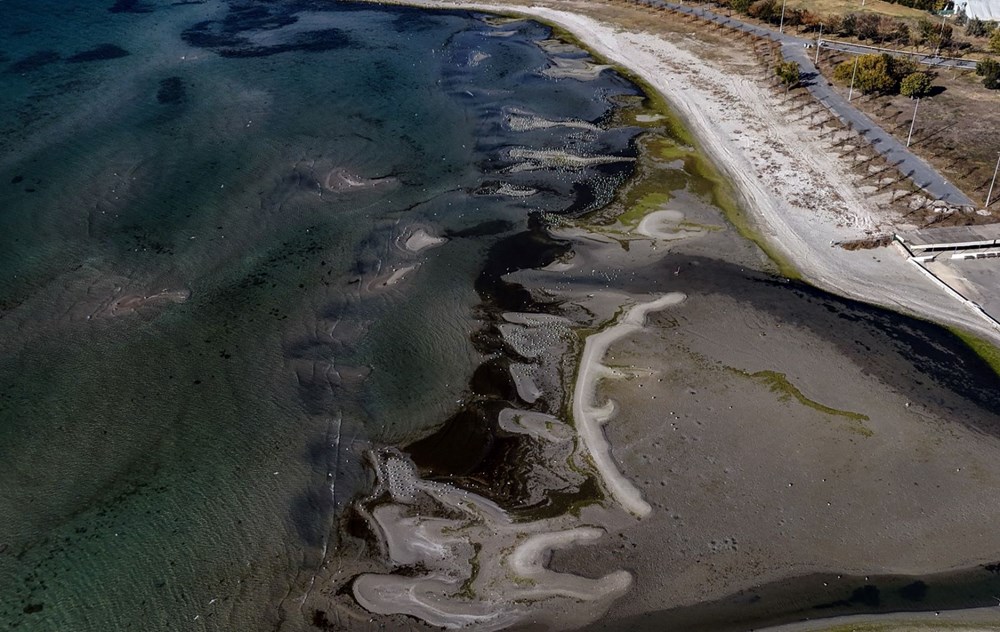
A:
340,180
590,417
522,121
420,240
478,567
531,159
665,224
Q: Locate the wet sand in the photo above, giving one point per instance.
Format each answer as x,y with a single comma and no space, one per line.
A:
757,432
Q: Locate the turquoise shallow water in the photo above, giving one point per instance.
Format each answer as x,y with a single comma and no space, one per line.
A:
197,344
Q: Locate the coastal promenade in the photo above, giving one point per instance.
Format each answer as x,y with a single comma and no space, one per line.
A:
793,48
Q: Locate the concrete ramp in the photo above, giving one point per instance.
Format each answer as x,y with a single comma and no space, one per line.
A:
982,9
928,240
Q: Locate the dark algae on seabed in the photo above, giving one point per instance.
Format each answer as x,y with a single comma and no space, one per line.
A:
209,312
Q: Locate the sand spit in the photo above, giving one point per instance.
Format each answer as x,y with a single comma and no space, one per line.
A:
579,69
589,416
129,303
340,180
666,225
523,376
420,240
386,279
531,159
522,121
511,190
477,57
535,424
477,567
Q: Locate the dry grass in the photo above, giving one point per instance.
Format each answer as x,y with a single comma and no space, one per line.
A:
843,7
955,130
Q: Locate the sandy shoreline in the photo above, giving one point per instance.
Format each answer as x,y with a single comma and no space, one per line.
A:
701,508
801,198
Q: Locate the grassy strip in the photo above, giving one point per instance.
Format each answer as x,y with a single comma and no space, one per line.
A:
982,348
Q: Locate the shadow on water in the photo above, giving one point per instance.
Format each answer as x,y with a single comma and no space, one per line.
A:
924,361
823,596
470,448
533,248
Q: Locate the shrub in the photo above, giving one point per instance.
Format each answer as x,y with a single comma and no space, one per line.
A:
915,85
995,41
879,73
789,73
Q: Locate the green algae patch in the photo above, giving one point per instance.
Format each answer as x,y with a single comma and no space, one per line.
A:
560,502
987,351
642,207
466,590
779,384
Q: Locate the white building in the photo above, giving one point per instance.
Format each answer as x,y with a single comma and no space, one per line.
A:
982,9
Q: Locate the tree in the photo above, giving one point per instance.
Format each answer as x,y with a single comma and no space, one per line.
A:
766,10
995,41
923,32
900,67
741,6
915,85
789,73
989,70
848,25
976,28
941,37
874,74
866,26
892,30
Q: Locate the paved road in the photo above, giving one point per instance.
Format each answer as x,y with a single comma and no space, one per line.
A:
927,60
793,48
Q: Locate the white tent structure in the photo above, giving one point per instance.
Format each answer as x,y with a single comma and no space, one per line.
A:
982,9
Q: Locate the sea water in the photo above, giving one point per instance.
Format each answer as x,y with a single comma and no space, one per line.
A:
208,309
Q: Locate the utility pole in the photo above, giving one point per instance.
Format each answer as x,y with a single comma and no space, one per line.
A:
818,41
990,194
781,25
854,74
913,122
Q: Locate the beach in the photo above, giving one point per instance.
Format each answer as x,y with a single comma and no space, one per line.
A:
799,195
736,460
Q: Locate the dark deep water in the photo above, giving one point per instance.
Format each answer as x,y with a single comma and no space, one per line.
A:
198,333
